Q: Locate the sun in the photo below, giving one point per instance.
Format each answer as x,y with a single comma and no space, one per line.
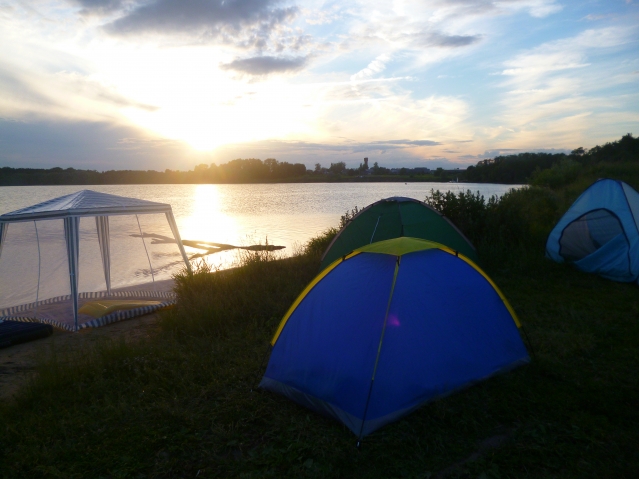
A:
191,99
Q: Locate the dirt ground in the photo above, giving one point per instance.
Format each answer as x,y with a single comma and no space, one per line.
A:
17,363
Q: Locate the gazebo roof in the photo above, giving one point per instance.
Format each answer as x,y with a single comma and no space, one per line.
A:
85,203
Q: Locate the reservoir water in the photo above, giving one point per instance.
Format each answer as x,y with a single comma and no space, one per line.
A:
247,214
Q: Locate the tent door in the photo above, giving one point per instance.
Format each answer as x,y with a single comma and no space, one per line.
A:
588,233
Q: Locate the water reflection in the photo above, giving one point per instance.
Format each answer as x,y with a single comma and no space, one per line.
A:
206,221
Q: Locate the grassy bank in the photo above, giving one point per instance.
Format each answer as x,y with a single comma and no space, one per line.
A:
184,403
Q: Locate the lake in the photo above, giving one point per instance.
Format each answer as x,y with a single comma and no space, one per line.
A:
246,214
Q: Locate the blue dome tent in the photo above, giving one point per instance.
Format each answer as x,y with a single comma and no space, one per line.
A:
388,327
599,233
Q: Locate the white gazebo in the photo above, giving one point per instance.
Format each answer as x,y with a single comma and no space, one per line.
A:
86,245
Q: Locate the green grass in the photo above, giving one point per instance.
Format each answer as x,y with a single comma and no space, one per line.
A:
184,403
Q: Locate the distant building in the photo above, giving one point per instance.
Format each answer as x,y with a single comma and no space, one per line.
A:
366,163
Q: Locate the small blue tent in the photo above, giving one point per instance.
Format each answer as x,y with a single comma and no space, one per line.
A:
388,327
599,233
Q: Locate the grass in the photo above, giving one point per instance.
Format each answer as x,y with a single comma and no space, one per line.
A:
184,403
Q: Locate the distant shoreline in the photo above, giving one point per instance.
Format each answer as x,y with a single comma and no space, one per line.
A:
542,169
369,179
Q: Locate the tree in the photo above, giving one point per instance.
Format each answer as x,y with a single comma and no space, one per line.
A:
337,168
271,164
379,170
578,151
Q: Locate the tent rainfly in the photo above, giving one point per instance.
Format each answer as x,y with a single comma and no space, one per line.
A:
392,218
81,246
389,327
600,232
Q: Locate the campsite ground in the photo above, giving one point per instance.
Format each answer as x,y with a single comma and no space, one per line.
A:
177,398
18,363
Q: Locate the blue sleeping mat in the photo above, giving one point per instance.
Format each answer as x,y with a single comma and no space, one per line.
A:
14,332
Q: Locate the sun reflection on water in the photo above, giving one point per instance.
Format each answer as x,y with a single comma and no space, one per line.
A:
207,221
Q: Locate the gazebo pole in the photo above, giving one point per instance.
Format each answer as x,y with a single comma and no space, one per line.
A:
102,225
3,233
72,236
178,239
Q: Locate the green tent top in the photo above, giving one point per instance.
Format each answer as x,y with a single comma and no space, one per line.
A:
393,218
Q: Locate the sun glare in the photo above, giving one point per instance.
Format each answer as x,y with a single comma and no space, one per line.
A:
179,96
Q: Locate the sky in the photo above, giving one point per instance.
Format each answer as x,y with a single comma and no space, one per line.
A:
157,84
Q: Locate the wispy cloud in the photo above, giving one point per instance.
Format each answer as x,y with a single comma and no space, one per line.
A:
376,66
557,88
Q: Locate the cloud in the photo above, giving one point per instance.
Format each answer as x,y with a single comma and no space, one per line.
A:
212,18
66,94
265,65
98,6
89,145
565,54
542,8
376,66
437,39
450,9
88,88
17,91
265,28
594,17
388,145
344,147
323,16
406,143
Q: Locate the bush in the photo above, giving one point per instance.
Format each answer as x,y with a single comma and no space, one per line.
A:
465,209
508,231
559,174
348,217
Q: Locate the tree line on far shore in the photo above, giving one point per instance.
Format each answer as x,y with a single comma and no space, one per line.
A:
544,169
236,171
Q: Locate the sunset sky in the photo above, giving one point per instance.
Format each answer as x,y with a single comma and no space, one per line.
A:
155,84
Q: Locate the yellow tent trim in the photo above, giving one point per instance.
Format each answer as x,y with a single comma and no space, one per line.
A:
303,294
